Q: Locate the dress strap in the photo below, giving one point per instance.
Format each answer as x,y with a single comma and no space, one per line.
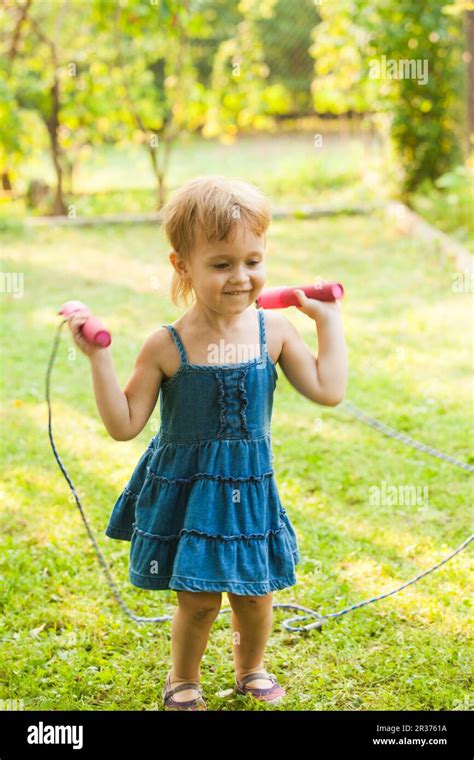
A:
179,343
263,337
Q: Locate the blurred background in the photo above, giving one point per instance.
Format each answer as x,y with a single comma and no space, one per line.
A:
107,105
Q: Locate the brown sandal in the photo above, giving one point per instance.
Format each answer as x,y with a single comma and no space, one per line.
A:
191,704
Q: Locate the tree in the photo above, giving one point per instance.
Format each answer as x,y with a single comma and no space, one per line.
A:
110,74
285,38
402,60
153,68
51,77
11,135
239,96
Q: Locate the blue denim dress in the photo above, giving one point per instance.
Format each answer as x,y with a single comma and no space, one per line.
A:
202,509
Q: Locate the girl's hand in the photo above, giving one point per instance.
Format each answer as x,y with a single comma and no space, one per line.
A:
75,322
312,307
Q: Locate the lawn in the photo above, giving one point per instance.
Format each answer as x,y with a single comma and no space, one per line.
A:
290,167
66,645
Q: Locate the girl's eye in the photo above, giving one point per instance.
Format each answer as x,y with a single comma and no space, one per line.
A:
220,266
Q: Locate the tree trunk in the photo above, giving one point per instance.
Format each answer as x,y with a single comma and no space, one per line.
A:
52,124
161,175
159,171
6,182
161,191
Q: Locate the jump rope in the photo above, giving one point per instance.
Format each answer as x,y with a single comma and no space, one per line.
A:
94,331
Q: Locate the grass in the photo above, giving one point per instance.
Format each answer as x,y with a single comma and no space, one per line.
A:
66,645
448,203
288,167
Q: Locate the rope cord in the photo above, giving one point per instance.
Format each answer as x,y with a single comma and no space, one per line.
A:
320,619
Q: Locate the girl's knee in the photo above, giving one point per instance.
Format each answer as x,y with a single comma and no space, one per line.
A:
200,605
250,603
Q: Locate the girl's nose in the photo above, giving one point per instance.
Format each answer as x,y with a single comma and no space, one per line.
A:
240,280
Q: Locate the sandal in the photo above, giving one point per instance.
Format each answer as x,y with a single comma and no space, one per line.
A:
272,694
191,704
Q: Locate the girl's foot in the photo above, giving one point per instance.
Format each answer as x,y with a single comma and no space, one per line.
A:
183,695
261,685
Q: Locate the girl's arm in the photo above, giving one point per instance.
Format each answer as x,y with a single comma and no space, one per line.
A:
322,379
126,412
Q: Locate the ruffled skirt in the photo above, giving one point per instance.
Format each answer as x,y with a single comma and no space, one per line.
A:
195,525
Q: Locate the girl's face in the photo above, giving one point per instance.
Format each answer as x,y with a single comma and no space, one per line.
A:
228,275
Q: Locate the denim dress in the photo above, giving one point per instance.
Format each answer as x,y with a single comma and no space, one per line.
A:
202,509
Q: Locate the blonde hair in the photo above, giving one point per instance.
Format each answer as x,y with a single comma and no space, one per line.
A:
214,205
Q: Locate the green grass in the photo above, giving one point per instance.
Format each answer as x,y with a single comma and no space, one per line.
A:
448,203
288,168
66,645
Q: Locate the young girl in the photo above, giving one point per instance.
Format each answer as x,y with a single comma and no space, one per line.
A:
201,508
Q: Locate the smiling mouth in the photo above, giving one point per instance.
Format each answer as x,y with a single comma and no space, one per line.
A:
235,292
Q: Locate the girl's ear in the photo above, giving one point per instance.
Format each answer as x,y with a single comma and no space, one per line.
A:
178,264
173,257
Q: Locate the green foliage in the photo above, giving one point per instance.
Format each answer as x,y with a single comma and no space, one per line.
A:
360,49
239,96
107,73
286,40
60,83
147,72
425,114
19,128
339,49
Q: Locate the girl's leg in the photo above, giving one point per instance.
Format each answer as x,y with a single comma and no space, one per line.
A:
190,628
252,618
